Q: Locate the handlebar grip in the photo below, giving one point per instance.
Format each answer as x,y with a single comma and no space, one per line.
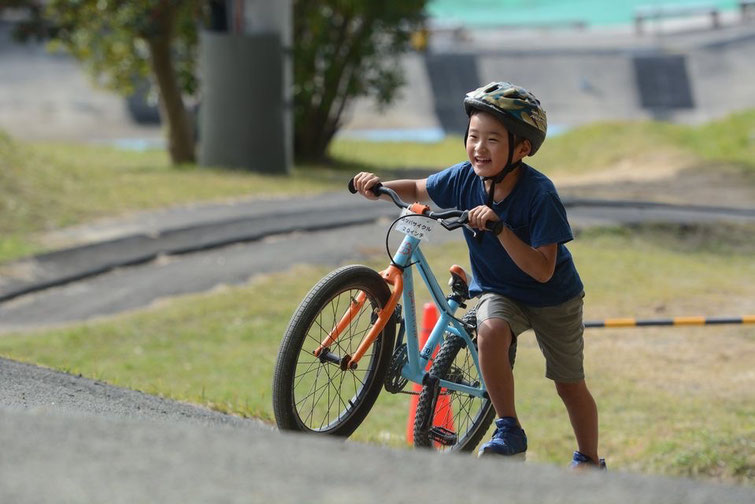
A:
494,227
375,189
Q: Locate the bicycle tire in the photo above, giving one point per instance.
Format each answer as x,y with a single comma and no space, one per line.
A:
319,397
470,416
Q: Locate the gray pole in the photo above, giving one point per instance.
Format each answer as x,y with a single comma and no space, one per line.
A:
265,16
245,115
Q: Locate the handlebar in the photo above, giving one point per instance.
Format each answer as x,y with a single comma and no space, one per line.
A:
449,219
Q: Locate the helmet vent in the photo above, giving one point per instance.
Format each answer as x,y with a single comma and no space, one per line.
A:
492,88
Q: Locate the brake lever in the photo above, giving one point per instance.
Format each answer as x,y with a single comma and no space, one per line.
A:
450,224
457,222
465,217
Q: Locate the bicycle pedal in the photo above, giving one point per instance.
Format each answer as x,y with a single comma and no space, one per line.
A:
443,436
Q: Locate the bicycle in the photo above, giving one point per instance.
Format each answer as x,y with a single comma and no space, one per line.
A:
340,349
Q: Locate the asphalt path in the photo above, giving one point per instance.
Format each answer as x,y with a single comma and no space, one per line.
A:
134,287
163,254
68,439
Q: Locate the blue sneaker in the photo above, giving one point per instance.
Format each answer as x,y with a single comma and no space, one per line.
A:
508,439
582,461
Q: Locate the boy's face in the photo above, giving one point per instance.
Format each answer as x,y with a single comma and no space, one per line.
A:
488,145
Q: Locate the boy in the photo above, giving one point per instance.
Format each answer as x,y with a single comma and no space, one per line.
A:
525,276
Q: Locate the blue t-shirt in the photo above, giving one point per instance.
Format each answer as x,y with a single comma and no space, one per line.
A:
534,212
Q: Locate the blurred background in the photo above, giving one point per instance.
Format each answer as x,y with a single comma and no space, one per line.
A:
675,60
148,149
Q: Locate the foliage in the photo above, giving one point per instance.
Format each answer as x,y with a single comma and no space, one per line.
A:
344,49
124,42
110,36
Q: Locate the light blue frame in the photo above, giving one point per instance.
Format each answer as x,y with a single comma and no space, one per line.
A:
409,254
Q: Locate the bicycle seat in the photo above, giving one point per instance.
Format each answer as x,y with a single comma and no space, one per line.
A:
458,281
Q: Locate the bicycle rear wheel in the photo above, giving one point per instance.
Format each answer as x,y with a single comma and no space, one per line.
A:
315,395
467,416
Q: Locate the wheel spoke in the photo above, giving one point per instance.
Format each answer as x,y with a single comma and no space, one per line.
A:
317,395
300,376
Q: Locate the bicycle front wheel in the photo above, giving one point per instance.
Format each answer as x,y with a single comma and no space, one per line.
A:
315,395
464,416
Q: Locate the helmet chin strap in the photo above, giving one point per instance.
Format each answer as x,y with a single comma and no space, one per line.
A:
502,174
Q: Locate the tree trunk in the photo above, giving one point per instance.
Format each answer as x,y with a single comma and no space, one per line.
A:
180,132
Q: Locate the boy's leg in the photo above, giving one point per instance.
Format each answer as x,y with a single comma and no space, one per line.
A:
583,414
559,331
499,320
493,342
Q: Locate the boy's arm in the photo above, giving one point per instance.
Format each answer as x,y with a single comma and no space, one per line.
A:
539,263
407,189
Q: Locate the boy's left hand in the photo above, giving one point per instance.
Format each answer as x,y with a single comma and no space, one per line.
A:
481,215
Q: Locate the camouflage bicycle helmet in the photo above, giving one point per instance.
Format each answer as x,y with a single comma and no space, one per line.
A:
514,106
521,114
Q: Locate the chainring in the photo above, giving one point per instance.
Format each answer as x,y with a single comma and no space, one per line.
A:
394,382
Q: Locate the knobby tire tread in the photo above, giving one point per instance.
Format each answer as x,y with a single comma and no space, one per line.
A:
440,368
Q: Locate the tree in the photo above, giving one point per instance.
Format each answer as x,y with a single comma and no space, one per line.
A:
344,49
124,41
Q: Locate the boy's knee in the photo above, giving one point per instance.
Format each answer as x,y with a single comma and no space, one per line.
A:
493,330
570,390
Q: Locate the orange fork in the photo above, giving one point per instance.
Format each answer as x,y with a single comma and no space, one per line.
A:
392,275
354,307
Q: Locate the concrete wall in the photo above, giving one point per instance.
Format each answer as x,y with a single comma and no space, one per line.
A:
580,77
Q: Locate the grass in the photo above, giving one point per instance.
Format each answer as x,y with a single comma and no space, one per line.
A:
729,140
49,186
582,150
675,401
388,156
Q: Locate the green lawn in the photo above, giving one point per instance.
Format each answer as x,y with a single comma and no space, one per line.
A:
48,186
676,401
585,149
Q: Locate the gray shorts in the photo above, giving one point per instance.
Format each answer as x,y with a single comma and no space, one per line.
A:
558,330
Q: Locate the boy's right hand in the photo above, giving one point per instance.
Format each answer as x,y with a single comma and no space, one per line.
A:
363,182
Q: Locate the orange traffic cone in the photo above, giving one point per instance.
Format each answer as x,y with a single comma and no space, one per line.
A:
443,414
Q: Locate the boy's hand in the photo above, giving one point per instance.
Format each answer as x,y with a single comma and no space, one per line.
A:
363,182
481,215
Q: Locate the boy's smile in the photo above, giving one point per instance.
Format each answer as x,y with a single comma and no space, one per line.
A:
487,144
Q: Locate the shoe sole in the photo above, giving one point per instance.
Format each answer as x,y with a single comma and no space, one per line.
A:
519,457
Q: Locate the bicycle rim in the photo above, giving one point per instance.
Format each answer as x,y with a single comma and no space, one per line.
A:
319,396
